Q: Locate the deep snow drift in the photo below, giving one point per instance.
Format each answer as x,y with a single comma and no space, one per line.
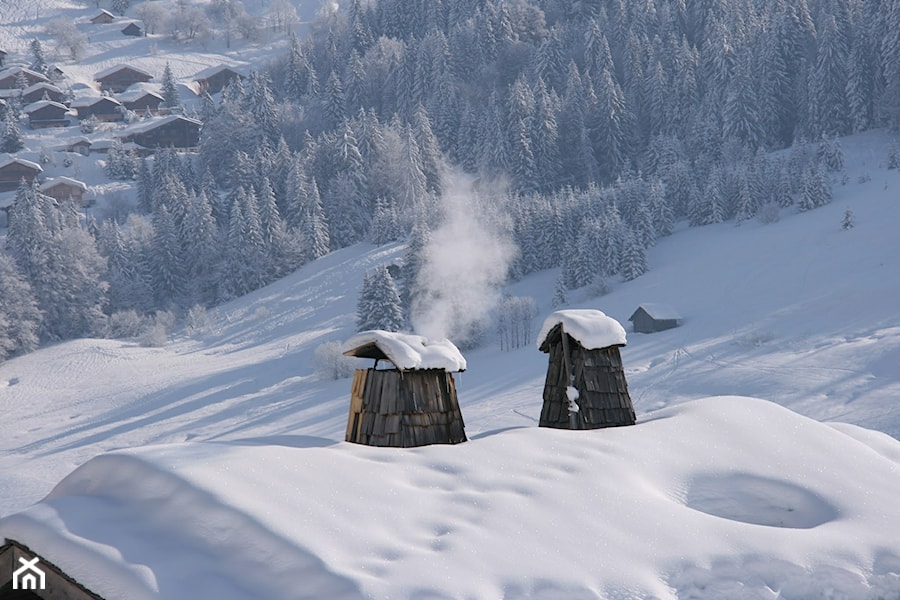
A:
721,498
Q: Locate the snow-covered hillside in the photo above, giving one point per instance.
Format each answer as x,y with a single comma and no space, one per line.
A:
247,439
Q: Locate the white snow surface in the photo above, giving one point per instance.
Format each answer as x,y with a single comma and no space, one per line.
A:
409,351
213,467
591,328
725,497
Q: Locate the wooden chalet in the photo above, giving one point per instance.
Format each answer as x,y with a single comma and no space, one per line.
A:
105,108
46,113
81,145
22,570
120,77
133,29
65,188
214,79
13,170
103,17
140,100
175,131
10,78
585,386
412,404
42,91
653,317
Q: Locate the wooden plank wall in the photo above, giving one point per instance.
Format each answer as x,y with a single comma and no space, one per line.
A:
600,380
403,409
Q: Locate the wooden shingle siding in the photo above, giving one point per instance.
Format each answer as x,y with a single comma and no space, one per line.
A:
599,377
404,409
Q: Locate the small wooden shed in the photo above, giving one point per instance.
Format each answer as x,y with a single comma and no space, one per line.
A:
651,317
133,29
585,386
412,404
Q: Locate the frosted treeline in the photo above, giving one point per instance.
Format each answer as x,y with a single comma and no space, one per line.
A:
603,123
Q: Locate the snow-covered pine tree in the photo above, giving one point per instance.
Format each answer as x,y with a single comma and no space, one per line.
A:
37,51
661,210
634,258
12,138
893,157
170,89
816,188
379,304
200,233
20,318
848,222
830,153
167,263
784,197
561,293
315,226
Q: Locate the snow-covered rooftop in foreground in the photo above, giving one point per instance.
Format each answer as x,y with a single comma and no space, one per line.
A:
591,328
408,351
785,507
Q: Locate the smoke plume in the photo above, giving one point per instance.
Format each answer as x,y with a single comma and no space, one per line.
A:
465,262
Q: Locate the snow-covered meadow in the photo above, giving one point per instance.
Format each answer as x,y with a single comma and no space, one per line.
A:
221,466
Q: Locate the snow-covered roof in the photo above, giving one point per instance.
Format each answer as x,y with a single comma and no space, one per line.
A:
658,311
15,159
41,85
86,101
151,124
62,179
210,71
117,68
590,328
30,108
136,94
16,70
406,351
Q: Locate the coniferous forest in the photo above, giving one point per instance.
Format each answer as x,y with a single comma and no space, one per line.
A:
603,123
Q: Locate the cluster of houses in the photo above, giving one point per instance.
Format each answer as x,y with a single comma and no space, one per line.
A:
123,89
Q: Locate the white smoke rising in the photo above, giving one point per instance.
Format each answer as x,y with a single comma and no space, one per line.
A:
465,262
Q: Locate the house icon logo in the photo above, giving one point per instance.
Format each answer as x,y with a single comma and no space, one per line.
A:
28,576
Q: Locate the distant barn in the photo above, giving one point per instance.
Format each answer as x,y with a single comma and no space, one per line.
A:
652,317
64,188
103,17
133,29
412,404
172,131
214,79
585,386
119,77
13,170
46,113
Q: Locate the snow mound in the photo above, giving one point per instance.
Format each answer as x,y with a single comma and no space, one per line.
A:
783,507
405,350
591,328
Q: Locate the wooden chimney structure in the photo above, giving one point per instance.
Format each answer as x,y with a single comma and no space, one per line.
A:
412,404
585,386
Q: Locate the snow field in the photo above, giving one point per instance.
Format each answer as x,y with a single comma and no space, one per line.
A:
725,497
